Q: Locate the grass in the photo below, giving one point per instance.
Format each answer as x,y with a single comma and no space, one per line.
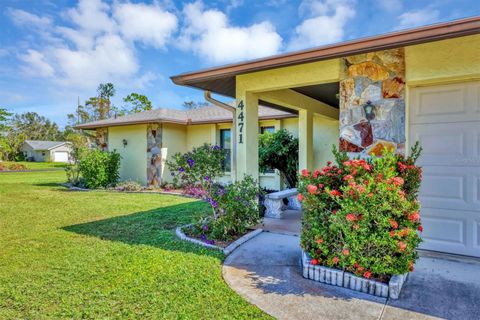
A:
104,255
38,165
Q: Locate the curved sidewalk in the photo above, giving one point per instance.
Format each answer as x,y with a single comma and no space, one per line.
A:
265,271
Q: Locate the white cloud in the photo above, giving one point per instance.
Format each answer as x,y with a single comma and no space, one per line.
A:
325,22
92,16
149,24
36,64
24,18
109,60
209,34
98,45
417,18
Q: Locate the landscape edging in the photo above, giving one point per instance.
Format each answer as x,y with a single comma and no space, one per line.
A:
227,250
350,281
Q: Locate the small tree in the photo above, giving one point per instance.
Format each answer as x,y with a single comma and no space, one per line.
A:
134,103
79,145
279,150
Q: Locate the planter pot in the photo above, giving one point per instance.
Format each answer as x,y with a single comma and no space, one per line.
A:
350,281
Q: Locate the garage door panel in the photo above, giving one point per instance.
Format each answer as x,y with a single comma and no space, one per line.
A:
446,121
447,144
455,231
443,229
60,156
455,102
449,187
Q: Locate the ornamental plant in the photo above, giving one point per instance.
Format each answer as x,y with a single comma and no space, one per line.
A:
279,150
99,169
234,207
197,167
362,215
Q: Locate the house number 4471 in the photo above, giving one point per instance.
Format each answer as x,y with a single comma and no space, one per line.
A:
240,122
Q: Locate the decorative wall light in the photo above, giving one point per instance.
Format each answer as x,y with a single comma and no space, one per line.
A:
125,142
369,109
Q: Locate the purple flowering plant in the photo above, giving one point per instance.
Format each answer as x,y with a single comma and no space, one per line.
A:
234,207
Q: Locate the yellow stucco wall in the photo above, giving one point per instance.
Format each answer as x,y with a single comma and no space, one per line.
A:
325,135
174,140
441,61
133,165
290,77
199,134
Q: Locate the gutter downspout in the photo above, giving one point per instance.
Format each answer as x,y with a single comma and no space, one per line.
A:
233,137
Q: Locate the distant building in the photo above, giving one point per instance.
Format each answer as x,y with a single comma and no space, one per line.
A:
48,151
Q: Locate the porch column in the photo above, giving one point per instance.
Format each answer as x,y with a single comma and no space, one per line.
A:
305,139
247,134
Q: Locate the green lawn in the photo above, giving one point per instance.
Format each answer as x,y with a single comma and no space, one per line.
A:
38,165
104,255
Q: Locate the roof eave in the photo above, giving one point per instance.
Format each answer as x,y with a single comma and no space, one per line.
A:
441,31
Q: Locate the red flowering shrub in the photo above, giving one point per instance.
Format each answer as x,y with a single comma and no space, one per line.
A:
362,215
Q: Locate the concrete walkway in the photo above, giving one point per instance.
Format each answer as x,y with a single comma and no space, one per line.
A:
266,272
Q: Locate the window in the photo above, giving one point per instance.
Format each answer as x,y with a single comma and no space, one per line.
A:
269,129
225,143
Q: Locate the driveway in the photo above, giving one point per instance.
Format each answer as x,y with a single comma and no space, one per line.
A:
266,272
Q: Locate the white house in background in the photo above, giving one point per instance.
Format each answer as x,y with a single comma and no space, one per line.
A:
49,151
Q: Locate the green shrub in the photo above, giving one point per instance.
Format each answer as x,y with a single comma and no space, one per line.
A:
362,215
99,169
199,166
235,210
279,150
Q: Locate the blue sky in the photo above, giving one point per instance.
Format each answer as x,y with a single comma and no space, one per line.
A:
52,52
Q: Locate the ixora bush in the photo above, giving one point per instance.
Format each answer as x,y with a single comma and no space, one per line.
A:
234,207
362,216
99,169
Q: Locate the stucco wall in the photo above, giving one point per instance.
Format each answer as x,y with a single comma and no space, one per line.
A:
325,136
133,165
200,134
174,140
446,60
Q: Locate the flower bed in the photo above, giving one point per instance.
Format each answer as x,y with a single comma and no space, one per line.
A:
235,207
361,216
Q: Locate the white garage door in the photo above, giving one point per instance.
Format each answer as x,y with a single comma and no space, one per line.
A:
60,156
446,121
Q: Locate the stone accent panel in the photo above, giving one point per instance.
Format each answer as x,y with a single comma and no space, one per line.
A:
101,138
372,103
154,155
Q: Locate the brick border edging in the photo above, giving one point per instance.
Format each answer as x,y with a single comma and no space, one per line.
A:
228,249
348,280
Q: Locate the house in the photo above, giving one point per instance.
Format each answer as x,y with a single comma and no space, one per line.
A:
46,151
147,139
394,89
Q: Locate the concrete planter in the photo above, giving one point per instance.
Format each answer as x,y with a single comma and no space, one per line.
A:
350,281
228,249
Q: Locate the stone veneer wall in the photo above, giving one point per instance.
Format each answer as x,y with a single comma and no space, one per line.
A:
378,78
101,138
154,155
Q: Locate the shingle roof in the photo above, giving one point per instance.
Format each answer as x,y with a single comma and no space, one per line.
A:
44,145
208,114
